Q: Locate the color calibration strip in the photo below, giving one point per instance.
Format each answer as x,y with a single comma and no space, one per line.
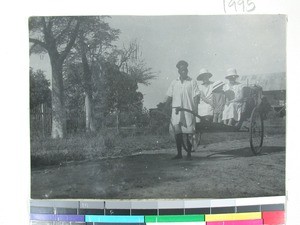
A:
246,211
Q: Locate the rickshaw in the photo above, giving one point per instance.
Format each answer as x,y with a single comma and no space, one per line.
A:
254,111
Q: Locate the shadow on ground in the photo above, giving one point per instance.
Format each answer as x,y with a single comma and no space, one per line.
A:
245,152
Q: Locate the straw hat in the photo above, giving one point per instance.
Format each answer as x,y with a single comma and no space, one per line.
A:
217,84
231,73
203,72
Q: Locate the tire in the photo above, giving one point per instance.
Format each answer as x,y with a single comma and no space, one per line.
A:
256,131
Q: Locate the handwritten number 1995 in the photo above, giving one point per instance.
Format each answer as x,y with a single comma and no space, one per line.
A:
247,5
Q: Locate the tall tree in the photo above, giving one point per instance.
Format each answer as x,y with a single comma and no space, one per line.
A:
56,36
95,40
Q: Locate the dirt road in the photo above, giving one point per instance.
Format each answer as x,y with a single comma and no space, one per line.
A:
221,170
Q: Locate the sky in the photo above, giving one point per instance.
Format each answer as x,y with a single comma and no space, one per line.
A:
253,44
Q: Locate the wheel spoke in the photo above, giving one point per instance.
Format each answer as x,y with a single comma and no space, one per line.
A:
256,129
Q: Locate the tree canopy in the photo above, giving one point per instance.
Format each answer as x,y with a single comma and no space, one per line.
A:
90,75
40,92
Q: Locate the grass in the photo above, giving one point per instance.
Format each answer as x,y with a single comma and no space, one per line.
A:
87,146
47,151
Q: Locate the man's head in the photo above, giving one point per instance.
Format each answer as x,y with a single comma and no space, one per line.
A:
182,68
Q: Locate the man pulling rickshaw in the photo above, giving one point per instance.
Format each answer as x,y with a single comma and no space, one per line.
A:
184,93
240,103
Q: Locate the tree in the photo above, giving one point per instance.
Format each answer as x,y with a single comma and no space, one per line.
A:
95,38
160,118
101,62
129,60
40,92
90,49
74,97
56,36
120,93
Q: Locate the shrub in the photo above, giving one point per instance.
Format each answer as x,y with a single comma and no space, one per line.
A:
109,142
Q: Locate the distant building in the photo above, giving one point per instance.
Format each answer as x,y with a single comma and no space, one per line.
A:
274,87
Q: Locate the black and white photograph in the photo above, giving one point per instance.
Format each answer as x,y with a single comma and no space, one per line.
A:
157,107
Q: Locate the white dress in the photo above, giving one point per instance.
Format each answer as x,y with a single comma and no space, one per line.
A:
183,94
233,110
205,109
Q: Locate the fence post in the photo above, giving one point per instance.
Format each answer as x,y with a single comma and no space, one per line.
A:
118,129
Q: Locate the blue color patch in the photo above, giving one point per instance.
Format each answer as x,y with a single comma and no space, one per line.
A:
52,217
43,217
70,218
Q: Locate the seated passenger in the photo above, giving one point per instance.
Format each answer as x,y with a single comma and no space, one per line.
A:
205,88
218,101
234,99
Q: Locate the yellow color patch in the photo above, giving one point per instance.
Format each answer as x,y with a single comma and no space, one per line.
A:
233,216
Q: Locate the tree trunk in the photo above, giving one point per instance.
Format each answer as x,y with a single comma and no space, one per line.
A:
52,44
89,119
58,106
88,88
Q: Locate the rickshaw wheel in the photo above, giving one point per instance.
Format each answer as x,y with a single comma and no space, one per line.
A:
256,131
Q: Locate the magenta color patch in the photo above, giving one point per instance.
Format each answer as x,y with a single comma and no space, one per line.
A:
214,223
244,222
237,222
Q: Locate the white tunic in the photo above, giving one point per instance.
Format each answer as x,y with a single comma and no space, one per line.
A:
183,94
205,109
233,110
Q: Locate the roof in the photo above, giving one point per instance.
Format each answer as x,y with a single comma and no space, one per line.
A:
269,82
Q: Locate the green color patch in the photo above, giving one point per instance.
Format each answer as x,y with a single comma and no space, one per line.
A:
174,218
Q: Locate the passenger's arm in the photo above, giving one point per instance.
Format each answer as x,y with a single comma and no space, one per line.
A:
240,97
205,99
196,102
168,103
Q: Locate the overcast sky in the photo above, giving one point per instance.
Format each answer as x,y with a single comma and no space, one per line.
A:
253,44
